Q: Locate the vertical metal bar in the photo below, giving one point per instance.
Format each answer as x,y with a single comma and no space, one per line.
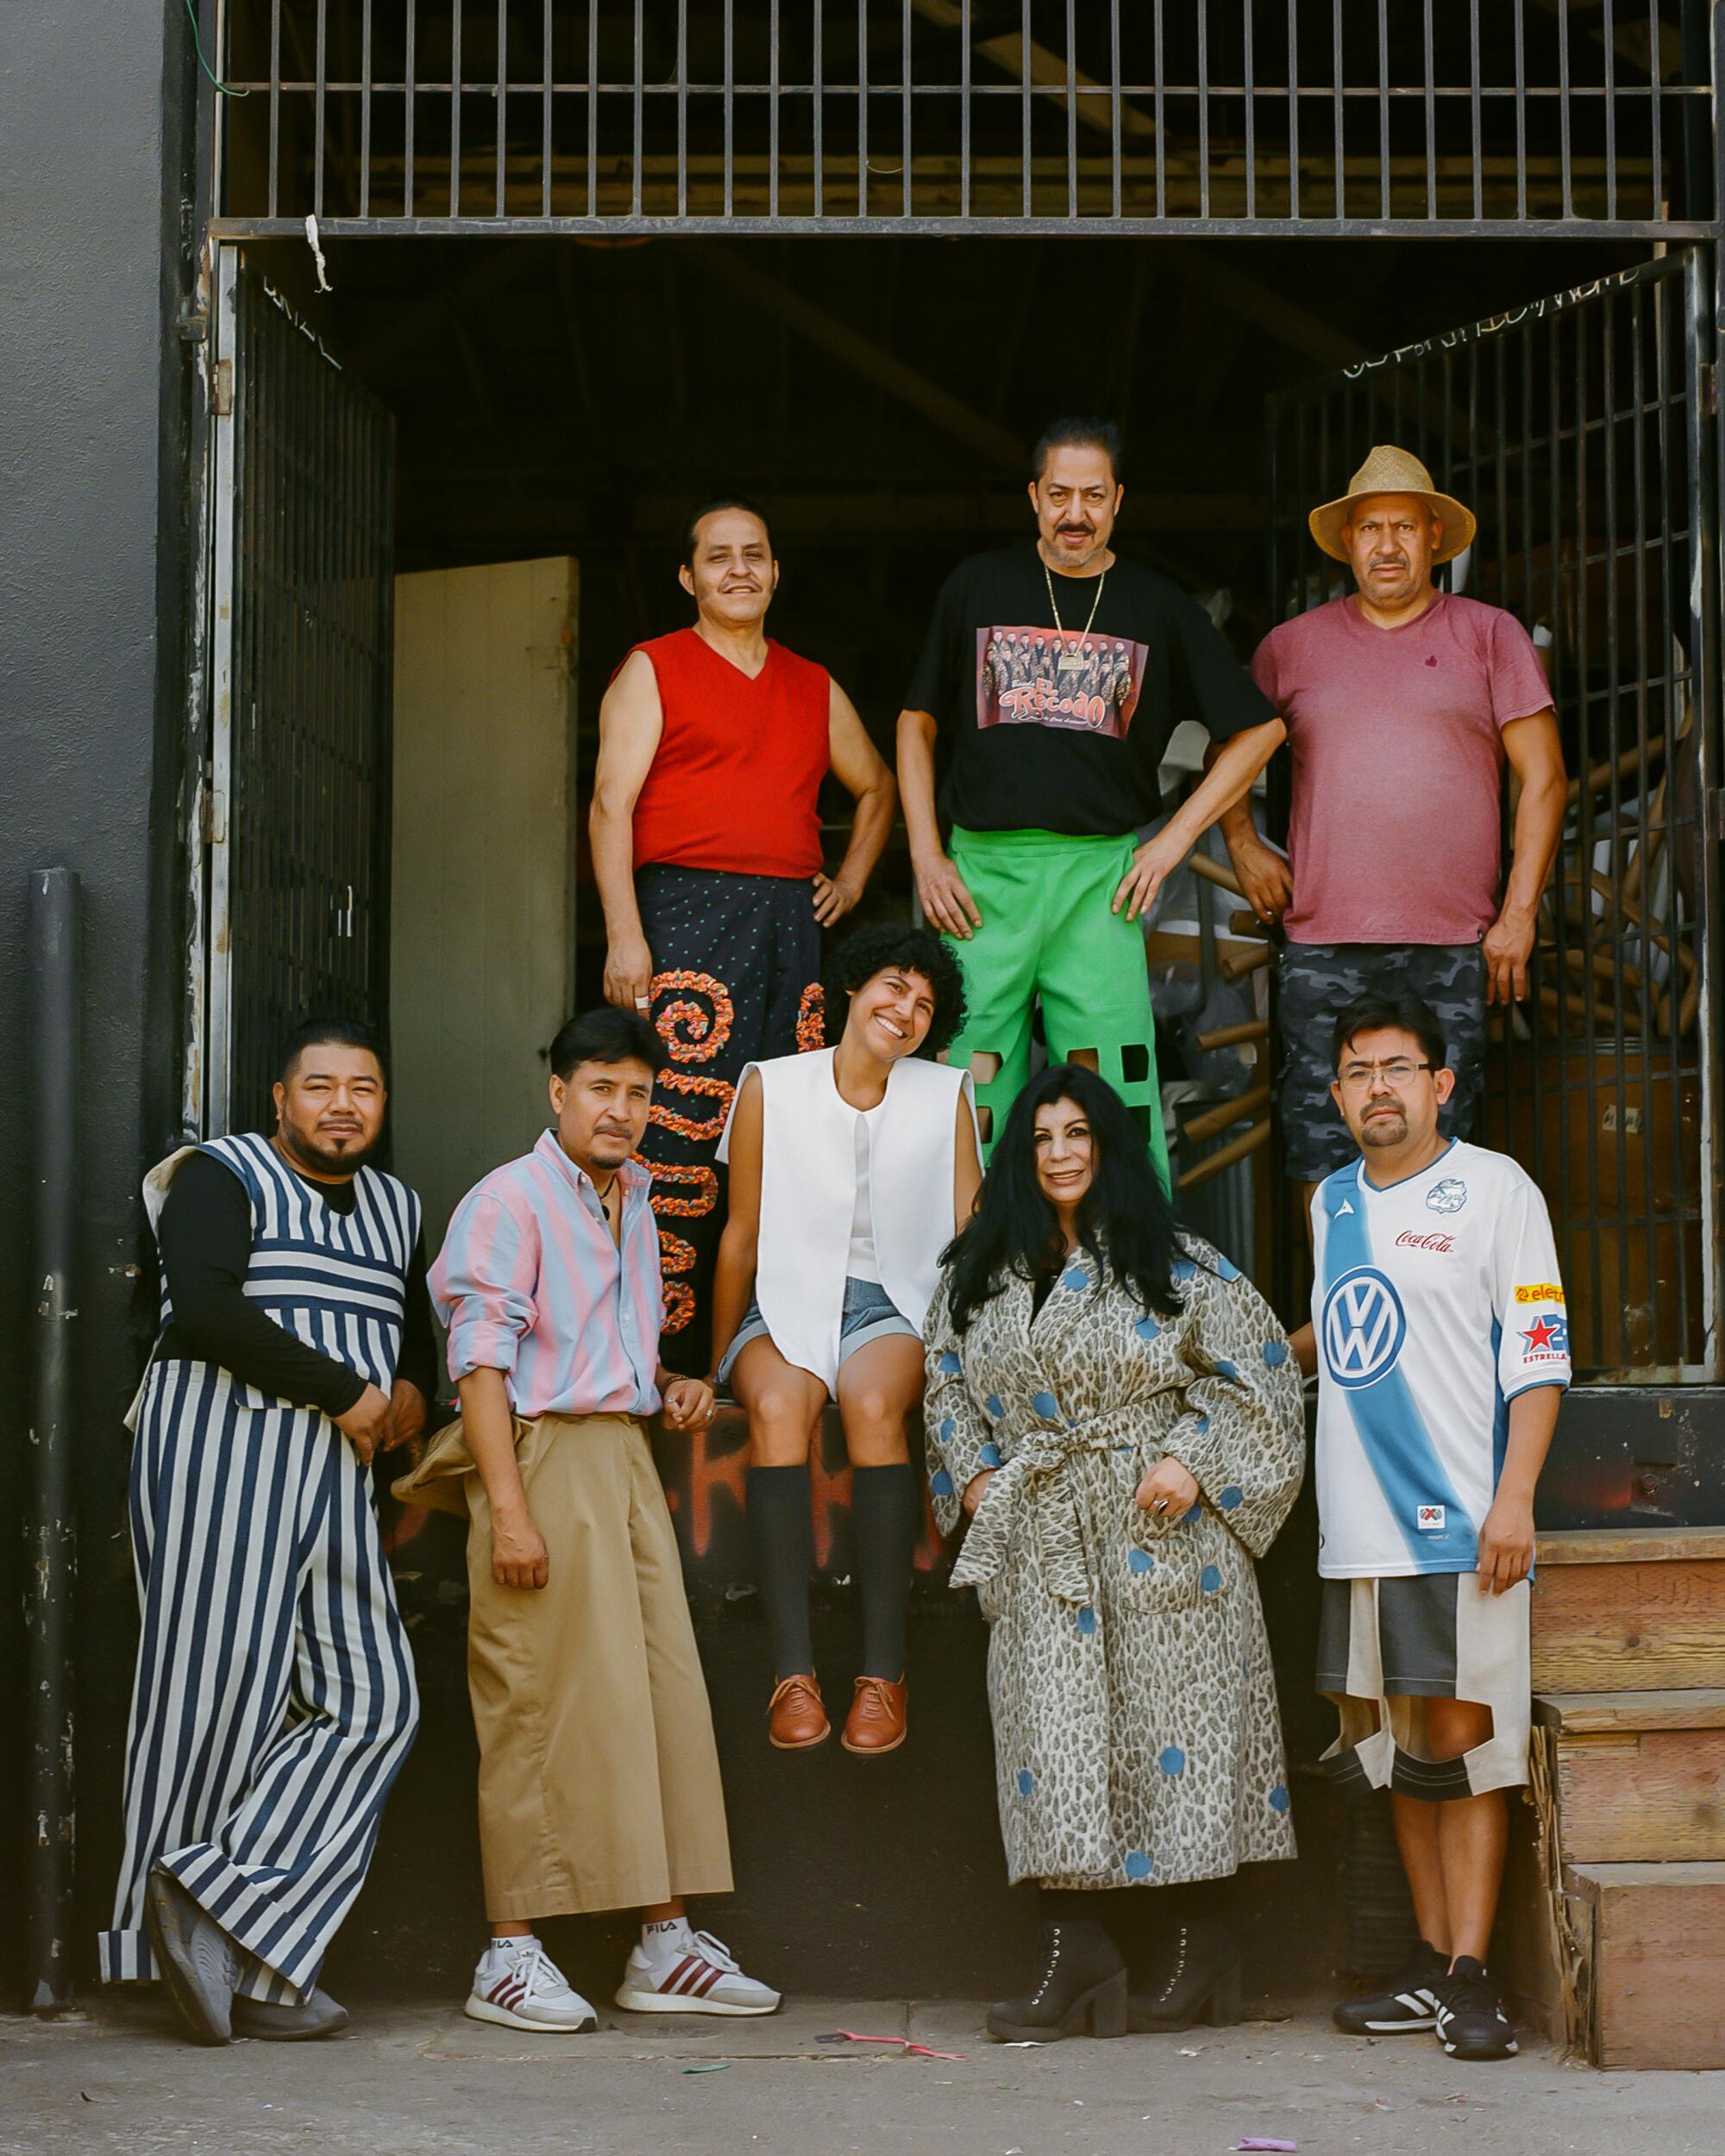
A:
1656,101
964,104
1609,34
683,105
1249,84
1520,112
1293,108
1025,79
1700,272
1338,106
1072,100
1384,190
229,356
861,108
1564,150
1161,110
51,1565
1114,130
275,109
1579,492
905,124
1474,112
1605,309
1431,117
456,108
548,54
638,109
412,40
366,108
729,105
1645,669
592,108
772,100
501,102
819,98
1204,111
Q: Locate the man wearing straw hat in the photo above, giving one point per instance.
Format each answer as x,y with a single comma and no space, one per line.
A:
1402,705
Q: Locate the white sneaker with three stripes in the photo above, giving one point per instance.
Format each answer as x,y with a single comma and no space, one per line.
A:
518,1984
677,1970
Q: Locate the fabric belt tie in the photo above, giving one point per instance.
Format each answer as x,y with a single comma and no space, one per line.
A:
1035,1481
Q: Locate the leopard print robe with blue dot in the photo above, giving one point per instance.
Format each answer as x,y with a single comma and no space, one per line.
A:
1136,1734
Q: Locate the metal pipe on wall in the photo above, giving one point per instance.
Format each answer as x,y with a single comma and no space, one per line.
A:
54,932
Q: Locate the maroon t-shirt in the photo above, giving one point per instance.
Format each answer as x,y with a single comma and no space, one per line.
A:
1398,761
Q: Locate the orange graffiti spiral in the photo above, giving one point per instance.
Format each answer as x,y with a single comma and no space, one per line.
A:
691,1034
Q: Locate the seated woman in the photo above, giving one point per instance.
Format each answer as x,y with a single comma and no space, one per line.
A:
1119,1412
850,1169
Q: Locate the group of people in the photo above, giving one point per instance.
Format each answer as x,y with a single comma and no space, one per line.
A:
908,1219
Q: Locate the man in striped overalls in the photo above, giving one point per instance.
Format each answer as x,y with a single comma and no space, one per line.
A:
275,1698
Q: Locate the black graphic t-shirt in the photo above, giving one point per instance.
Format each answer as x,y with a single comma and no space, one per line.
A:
1064,732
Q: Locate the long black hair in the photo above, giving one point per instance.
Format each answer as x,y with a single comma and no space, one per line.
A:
1125,1220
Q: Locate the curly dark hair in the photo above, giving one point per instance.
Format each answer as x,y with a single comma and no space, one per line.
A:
871,950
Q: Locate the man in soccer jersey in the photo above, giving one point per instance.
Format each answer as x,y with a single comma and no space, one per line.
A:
1441,1344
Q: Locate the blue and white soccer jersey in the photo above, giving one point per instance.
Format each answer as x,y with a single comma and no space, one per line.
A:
1436,1300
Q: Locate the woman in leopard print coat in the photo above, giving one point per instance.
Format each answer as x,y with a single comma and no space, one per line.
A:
1126,1463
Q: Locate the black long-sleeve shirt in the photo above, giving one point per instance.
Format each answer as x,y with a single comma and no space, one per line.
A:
205,1234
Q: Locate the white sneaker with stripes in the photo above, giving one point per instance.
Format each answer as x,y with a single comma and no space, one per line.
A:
677,1970
518,1984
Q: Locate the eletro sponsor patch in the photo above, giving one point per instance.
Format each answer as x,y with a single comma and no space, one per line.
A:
1546,1291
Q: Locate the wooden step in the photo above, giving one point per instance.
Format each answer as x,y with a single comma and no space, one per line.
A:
1629,1609
1638,1777
1653,1940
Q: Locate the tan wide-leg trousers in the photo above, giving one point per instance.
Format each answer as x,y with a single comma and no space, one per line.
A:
599,1777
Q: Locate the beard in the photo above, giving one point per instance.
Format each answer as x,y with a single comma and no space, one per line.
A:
325,1157
1384,1130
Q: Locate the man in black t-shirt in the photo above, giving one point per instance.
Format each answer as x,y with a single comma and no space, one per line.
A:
1056,673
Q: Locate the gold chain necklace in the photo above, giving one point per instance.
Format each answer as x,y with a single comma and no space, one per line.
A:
1072,658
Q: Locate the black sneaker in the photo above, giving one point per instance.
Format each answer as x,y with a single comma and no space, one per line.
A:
1411,2002
1472,2022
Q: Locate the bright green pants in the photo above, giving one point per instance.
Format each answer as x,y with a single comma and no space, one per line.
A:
1047,931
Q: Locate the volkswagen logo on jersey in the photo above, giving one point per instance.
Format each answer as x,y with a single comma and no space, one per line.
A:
1448,1196
1364,1327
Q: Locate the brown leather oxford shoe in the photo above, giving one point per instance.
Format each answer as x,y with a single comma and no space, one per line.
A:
876,1720
795,1717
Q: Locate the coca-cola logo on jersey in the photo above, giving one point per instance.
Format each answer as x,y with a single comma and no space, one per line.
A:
1408,1240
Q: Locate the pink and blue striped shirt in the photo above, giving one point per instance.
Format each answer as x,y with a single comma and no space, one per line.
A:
530,1282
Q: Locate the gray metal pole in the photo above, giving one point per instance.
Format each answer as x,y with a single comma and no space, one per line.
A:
53,1075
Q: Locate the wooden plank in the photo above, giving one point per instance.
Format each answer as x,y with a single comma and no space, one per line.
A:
1629,1626
1579,1712
1658,1963
1632,1546
1632,1795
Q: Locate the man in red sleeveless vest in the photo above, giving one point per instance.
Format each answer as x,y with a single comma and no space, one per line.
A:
714,743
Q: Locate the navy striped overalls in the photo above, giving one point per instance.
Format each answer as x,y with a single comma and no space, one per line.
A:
275,1698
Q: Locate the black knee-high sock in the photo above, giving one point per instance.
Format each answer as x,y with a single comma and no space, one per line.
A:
781,1539
886,1512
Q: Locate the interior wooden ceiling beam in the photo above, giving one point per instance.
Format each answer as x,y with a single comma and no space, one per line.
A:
869,362
1008,52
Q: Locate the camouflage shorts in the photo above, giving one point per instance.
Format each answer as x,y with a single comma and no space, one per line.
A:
1317,983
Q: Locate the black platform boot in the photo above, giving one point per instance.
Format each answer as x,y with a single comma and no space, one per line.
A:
1196,1976
1082,1986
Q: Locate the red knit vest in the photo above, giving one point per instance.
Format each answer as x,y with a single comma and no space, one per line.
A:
736,777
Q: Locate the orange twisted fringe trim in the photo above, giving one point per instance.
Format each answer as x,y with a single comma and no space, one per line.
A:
704,1032
812,1019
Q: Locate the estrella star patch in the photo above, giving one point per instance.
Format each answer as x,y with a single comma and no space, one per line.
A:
1547,1340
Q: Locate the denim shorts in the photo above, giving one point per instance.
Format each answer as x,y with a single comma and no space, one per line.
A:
870,1314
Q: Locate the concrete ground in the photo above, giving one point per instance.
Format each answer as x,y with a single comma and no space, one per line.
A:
421,2080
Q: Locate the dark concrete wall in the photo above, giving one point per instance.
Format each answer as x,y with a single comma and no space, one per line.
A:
91,403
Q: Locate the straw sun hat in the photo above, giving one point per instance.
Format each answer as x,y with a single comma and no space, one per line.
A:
1391,471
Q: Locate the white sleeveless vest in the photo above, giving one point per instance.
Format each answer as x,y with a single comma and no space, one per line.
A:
808,1193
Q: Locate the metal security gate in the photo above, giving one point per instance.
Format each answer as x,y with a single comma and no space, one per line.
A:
1581,431
297,799
1213,117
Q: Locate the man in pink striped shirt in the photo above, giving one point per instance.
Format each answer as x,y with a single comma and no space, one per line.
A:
599,1777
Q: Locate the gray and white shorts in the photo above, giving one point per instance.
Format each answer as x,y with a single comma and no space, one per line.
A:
1387,1646
870,1314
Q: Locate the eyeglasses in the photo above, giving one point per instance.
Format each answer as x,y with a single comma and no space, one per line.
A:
1397,1072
